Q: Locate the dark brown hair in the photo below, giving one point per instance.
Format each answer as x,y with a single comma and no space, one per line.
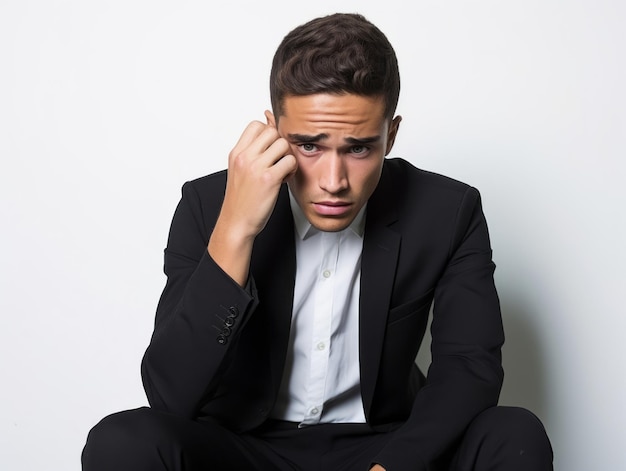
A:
337,54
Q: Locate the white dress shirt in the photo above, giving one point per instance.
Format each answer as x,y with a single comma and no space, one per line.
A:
321,381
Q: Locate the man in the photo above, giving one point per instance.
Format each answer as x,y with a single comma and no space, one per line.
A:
299,287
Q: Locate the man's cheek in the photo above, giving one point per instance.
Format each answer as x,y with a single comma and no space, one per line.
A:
300,178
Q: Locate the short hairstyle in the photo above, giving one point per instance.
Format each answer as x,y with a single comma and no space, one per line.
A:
337,54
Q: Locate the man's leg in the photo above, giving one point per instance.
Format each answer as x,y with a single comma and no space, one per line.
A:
145,439
505,439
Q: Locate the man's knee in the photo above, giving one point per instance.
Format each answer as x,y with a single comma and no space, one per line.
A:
511,423
120,437
119,428
512,433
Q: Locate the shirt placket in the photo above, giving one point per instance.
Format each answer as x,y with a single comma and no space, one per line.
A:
322,325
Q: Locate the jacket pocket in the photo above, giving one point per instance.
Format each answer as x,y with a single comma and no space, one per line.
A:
409,308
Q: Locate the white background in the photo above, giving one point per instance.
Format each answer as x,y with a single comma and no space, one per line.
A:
107,108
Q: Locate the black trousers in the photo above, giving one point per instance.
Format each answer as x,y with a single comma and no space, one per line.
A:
501,438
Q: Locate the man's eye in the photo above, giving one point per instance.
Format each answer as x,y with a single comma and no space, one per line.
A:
308,147
359,150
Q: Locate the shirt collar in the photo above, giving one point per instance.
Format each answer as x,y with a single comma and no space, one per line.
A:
304,228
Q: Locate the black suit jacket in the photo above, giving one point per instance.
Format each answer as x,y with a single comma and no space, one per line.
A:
218,350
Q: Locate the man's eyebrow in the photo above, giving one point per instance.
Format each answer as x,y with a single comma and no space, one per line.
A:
359,141
307,138
311,139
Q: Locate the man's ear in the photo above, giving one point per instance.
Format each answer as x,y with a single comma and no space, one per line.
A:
392,133
269,116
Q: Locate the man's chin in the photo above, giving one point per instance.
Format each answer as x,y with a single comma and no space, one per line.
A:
330,224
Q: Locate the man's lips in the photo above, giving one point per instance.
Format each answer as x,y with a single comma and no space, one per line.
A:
332,208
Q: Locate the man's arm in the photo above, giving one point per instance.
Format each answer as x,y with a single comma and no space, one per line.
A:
257,167
465,375
208,296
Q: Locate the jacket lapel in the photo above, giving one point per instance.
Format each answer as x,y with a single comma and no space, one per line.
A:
274,268
379,258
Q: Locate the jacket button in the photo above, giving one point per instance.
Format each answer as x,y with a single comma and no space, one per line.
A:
229,322
233,312
222,340
225,332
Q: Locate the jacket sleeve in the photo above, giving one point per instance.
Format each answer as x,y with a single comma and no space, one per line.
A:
465,376
199,316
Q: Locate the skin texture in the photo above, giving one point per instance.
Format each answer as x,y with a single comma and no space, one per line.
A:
328,148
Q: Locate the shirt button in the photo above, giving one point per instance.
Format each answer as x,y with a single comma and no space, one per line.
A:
326,273
321,346
314,411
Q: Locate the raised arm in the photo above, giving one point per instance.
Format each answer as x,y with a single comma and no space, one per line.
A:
208,296
257,166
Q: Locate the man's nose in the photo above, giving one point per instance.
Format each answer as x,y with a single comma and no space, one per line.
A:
334,177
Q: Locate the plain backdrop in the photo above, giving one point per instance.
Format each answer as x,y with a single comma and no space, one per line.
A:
108,107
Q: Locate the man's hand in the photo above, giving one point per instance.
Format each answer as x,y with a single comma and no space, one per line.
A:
257,166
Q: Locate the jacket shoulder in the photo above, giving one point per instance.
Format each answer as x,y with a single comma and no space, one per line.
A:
405,175
208,184
412,189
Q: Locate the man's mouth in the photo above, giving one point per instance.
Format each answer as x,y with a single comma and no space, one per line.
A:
332,208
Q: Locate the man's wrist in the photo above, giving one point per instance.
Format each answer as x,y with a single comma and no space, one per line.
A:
231,251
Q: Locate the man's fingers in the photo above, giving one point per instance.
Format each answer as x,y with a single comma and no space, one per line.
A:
259,141
283,168
266,140
257,166
252,131
276,151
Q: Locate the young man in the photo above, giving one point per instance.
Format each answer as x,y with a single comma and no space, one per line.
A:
299,287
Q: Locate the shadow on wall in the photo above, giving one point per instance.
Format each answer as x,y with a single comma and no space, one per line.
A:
525,380
423,355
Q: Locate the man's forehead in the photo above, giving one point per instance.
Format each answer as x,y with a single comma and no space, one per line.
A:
359,115
328,105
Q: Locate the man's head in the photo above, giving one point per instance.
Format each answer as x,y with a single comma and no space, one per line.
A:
336,54
335,87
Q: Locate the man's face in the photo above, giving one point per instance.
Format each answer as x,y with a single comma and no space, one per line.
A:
340,142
